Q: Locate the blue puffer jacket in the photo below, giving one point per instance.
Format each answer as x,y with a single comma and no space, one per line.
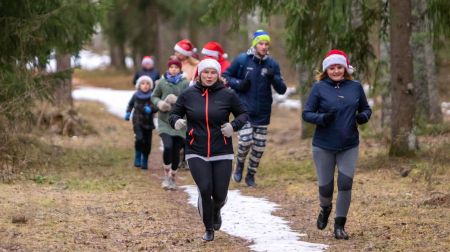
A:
258,99
152,73
347,99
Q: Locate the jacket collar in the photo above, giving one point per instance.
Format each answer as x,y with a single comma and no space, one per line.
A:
333,83
257,59
216,86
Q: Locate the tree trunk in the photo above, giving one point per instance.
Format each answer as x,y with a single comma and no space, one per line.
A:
117,53
433,92
403,139
305,83
63,93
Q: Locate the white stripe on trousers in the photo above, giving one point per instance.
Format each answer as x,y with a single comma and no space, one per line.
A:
252,137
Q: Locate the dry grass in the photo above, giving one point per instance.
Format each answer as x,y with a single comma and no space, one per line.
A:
398,204
106,78
88,197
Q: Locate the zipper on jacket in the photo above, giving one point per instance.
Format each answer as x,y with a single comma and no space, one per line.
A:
207,121
191,134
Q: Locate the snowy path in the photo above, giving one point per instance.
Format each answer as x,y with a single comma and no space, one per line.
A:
243,216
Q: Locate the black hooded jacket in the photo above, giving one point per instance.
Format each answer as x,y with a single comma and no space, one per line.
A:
206,109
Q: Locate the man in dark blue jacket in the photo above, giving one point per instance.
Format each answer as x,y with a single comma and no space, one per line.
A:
148,69
252,75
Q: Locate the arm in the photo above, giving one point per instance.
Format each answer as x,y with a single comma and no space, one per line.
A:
178,111
131,103
364,110
310,112
157,94
239,113
136,76
278,81
232,72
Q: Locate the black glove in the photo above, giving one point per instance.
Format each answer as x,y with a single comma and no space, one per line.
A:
244,85
329,117
361,118
270,73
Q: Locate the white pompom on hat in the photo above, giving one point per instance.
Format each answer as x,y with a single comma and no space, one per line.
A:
337,57
185,47
144,78
208,63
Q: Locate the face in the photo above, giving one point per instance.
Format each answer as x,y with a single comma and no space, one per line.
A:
336,72
144,86
180,56
174,70
262,48
147,66
209,76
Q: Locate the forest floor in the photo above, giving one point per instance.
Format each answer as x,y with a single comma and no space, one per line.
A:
84,194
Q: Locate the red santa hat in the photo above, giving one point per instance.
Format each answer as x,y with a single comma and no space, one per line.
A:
337,57
185,47
214,49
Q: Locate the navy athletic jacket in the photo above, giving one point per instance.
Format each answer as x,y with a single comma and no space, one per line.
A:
258,99
346,99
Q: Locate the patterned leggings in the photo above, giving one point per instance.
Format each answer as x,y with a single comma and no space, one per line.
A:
252,137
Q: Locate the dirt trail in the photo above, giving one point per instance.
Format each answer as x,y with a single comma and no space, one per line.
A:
99,202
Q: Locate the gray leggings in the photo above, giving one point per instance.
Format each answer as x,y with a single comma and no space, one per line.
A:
326,162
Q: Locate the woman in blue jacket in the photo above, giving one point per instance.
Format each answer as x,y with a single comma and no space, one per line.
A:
336,105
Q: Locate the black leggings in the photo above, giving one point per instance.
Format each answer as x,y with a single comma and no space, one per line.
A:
212,179
142,139
172,147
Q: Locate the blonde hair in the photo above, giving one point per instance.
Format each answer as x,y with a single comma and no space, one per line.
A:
322,75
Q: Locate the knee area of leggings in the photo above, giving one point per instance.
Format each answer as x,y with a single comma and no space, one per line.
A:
326,191
246,140
168,148
345,183
205,190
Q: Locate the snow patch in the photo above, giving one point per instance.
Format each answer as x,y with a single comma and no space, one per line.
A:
251,218
243,216
116,101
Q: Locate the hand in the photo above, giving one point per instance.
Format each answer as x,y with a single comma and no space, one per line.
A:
270,73
180,123
361,118
127,116
171,99
227,129
244,85
164,106
147,109
329,117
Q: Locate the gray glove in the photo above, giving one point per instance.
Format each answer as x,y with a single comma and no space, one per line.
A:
164,106
180,123
227,129
171,99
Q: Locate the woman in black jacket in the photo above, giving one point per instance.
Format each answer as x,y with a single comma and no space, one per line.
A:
207,106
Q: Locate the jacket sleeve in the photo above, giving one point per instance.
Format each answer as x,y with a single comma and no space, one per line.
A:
131,103
231,74
178,111
278,81
363,107
238,111
135,78
157,94
310,112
